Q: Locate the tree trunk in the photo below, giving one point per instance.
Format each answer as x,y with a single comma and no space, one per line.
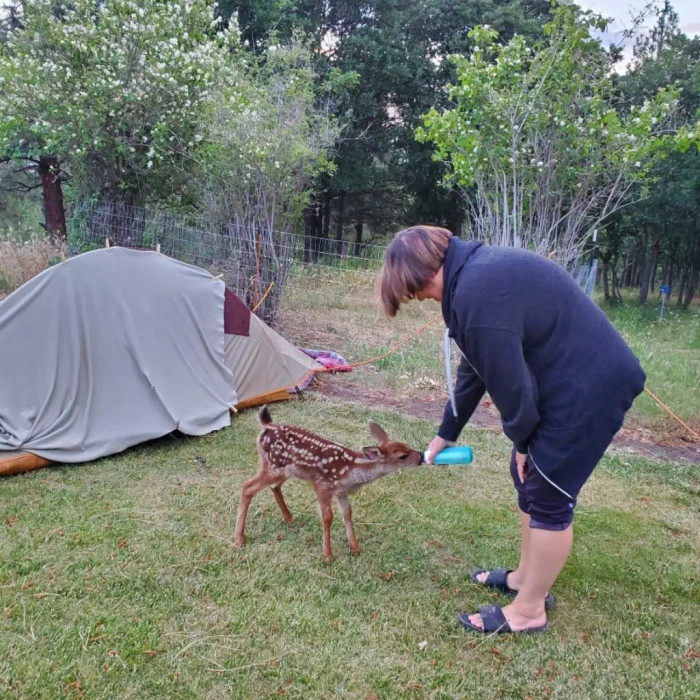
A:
681,286
617,294
606,287
644,280
627,273
340,224
693,278
311,231
54,215
656,249
359,229
457,215
646,269
325,228
691,287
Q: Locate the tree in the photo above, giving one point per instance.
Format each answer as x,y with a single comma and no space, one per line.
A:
269,133
664,224
397,49
113,92
46,166
534,134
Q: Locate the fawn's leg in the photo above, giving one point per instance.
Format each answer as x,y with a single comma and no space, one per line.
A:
324,501
261,480
344,504
277,493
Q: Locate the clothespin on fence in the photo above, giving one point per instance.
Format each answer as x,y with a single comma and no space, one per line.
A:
158,248
218,277
106,242
63,257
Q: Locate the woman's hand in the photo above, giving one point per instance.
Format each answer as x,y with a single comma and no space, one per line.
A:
521,464
437,444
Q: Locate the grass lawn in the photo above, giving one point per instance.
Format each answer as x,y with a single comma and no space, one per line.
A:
669,350
118,579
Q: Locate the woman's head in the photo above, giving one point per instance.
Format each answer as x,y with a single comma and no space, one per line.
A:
410,262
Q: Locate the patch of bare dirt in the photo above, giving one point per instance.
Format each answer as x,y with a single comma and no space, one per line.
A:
672,446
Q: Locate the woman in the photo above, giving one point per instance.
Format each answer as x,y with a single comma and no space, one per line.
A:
558,371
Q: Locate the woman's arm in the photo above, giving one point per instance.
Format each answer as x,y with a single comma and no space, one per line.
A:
468,392
498,356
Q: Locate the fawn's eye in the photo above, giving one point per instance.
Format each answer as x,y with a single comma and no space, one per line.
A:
402,457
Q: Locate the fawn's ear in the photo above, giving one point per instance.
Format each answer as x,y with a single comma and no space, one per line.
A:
372,453
377,432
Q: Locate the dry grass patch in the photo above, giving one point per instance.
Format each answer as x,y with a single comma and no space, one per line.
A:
22,260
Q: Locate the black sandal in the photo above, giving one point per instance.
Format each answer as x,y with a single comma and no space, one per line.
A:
498,580
495,622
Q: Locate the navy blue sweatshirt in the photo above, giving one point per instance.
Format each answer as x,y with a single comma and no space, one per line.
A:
557,370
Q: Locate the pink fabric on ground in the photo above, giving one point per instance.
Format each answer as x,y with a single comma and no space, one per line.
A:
329,359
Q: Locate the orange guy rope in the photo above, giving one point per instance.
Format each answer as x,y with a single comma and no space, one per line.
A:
663,405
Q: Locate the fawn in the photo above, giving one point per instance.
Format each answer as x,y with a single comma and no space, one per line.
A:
334,471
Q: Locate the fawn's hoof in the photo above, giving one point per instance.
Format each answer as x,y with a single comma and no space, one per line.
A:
238,542
288,518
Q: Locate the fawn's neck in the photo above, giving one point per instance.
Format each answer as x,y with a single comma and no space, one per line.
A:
363,472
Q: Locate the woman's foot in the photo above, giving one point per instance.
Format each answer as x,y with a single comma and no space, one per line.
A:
517,620
506,581
511,579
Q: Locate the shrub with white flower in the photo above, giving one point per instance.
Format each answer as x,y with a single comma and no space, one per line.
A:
534,137
268,139
117,90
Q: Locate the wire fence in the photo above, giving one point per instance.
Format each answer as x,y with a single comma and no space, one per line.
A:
254,261
585,276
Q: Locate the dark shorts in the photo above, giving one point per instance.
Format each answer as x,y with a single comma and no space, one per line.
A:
548,507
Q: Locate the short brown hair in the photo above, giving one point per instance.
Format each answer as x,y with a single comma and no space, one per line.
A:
410,261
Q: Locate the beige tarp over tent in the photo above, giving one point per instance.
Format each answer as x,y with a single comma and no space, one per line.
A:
115,347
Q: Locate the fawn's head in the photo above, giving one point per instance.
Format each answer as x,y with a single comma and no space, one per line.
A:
389,454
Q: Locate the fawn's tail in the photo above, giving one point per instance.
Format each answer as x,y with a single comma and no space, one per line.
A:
264,416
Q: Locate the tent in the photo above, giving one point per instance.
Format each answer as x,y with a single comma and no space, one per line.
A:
115,347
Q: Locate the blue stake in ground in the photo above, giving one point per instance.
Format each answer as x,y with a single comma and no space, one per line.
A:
665,291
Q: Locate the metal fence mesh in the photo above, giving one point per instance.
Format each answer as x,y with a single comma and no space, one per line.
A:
585,276
322,280
254,261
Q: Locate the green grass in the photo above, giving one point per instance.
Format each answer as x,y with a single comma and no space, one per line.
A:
669,350
118,579
338,311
